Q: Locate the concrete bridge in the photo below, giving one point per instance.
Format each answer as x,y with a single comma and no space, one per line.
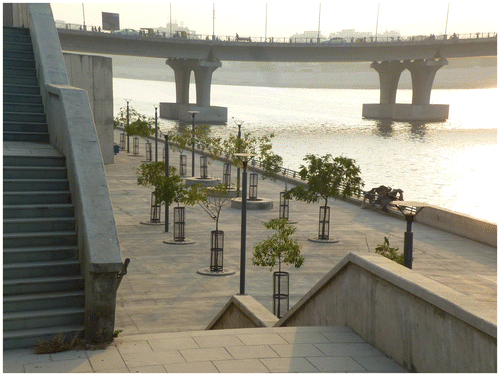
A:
423,58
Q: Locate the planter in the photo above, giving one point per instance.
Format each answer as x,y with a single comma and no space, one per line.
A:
203,167
281,288
155,210
149,152
324,223
252,187
179,223
123,141
284,206
135,146
217,251
183,165
226,175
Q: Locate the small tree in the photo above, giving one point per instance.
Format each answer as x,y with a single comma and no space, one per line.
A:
327,177
277,249
214,200
391,253
139,125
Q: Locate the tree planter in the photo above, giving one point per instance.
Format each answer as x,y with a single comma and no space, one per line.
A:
123,141
284,206
217,251
281,293
183,165
203,167
252,188
135,147
226,175
179,223
324,223
149,152
155,210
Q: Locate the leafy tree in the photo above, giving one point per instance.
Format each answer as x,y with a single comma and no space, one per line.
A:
139,125
327,177
214,200
169,189
278,248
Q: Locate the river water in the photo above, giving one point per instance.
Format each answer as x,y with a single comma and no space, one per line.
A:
453,164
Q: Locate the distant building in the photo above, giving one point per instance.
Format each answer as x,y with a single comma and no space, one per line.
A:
348,34
306,36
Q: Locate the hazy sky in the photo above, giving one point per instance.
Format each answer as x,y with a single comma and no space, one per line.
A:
285,18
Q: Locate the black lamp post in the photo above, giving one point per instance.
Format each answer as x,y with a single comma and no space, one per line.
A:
244,158
128,123
239,151
193,113
167,175
156,133
409,209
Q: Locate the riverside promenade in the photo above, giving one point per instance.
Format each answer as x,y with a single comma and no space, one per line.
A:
164,305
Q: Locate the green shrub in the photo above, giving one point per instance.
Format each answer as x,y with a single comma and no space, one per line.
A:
391,253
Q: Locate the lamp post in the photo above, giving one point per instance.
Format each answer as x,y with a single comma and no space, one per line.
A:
239,151
409,209
244,158
193,113
166,175
156,133
128,123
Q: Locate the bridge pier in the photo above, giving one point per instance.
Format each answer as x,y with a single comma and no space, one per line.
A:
422,76
203,70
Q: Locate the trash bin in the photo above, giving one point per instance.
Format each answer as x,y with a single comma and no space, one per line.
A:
116,148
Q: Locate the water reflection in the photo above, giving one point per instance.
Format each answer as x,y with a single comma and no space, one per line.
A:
418,129
384,128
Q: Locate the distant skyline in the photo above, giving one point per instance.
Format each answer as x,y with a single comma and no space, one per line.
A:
286,18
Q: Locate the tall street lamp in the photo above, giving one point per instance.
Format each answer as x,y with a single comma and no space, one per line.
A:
193,113
156,133
166,175
128,123
244,158
239,151
409,209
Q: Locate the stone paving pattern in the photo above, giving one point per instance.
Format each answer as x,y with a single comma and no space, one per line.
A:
164,305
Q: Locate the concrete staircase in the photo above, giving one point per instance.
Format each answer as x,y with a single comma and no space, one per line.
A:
42,286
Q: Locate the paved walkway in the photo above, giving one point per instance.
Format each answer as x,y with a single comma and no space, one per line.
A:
164,305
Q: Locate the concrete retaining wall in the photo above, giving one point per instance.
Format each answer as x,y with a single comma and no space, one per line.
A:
421,324
242,311
95,75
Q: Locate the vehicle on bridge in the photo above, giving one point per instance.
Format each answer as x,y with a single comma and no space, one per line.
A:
127,32
335,40
180,34
238,39
148,32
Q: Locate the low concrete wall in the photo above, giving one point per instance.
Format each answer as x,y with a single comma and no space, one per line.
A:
406,111
459,224
421,324
242,311
177,111
72,132
95,75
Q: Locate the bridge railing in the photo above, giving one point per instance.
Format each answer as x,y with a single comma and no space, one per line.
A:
294,40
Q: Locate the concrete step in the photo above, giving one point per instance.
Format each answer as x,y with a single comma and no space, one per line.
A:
33,160
20,81
31,239
17,46
47,197
17,225
26,137
23,127
38,253
22,55
14,31
41,269
52,300
18,71
22,98
17,339
21,63
24,108
21,89
34,172
24,117
42,284
28,185
43,318
38,211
